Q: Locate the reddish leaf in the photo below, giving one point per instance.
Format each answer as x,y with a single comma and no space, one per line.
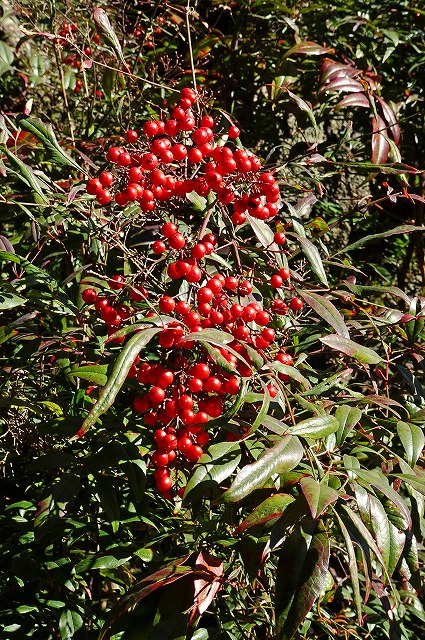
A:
342,83
391,120
207,586
308,48
331,69
380,146
354,100
301,573
164,576
270,509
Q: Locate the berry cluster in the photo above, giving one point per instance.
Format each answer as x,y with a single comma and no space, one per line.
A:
184,387
185,154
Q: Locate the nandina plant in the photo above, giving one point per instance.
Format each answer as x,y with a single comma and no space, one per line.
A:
215,427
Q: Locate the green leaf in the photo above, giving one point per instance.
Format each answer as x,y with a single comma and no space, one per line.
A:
102,21
326,310
281,458
46,135
347,417
118,376
380,482
10,300
300,577
108,499
312,254
304,106
318,495
270,509
351,348
215,466
27,175
69,623
93,373
406,228
352,565
412,439
315,428
292,372
101,562
41,277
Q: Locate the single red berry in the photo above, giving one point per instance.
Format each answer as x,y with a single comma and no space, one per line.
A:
131,136
89,295
156,395
233,132
279,238
296,304
168,229
117,282
159,247
276,281
93,186
166,304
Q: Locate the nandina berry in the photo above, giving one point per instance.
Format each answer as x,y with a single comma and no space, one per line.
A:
168,229
200,370
141,404
296,304
245,288
195,385
262,318
159,247
156,395
151,128
194,275
93,186
233,132
131,136
117,282
160,458
284,273
276,281
167,304
194,453
279,238
89,295
249,314
106,178
177,241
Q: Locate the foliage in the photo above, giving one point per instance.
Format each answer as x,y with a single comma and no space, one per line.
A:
295,506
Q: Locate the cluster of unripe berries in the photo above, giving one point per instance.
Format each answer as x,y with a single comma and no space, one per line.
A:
181,155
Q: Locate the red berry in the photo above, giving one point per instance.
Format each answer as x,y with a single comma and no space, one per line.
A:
131,136
296,304
276,281
156,395
159,247
167,304
117,282
279,238
168,229
89,295
106,178
177,241
93,186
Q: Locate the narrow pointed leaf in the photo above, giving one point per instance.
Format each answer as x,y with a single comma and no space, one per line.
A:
318,495
48,139
405,228
353,568
348,417
413,440
312,254
270,509
118,376
352,349
102,21
380,482
300,577
326,310
281,458
10,300
315,428
215,466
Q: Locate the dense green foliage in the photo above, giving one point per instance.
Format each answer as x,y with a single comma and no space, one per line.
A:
304,517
